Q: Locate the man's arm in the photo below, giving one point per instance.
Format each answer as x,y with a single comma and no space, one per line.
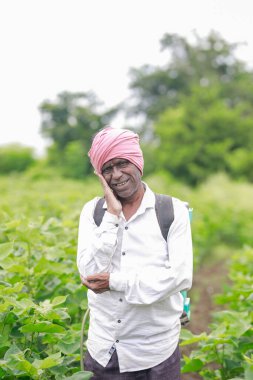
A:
149,285
98,283
96,245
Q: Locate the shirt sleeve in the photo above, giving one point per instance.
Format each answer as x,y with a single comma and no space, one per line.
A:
96,245
149,285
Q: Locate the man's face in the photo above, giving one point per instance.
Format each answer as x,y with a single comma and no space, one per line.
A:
123,177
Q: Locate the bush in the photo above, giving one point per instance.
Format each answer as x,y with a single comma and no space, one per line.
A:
222,213
42,170
15,158
227,351
76,162
71,162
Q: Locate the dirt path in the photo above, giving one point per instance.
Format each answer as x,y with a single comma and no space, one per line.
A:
207,282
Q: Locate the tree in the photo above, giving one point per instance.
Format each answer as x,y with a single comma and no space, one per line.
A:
204,135
15,158
205,63
197,109
73,117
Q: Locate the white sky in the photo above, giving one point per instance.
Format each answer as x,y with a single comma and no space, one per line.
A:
49,46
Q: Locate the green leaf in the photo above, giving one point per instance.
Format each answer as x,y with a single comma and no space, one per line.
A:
236,323
4,341
189,338
42,327
2,372
12,350
50,361
5,250
70,343
249,373
193,366
81,375
4,306
18,362
64,367
12,289
58,300
13,224
17,268
6,284
250,297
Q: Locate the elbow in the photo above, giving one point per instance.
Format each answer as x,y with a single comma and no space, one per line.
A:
80,270
186,284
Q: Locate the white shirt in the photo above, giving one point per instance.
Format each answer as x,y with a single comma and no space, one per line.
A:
140,314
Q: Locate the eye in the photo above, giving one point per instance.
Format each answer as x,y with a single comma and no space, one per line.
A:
123,164
107,170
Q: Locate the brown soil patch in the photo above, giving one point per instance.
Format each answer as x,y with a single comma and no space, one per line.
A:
208,281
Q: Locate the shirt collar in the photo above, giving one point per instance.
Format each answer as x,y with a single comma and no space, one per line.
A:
148,200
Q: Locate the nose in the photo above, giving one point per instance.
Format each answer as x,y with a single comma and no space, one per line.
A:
116,172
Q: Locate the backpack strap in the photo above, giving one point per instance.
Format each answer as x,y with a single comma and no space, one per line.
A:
163,208
99,211
164,213
165,216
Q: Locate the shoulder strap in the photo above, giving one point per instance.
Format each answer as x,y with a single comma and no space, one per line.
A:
164,213
163,208
99,211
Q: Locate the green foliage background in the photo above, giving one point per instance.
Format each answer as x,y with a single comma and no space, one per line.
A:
196,134
41,300
194,115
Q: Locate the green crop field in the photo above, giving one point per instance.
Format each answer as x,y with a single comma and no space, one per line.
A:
42,302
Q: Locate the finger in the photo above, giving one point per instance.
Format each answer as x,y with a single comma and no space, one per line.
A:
100,176
93,285
99,291
104,183
82,278
92,277
95,277
86,283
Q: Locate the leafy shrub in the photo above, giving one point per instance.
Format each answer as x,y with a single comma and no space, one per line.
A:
222,213
227,351
75,161
41,170
71,162
40,338
42,301
15,158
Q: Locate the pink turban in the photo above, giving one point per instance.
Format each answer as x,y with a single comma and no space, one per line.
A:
115,143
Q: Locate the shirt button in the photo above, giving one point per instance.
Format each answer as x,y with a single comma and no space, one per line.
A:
117,341
126,228
116,225
119,321
123,253
120,300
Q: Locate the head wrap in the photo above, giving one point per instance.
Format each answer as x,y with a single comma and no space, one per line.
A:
115,143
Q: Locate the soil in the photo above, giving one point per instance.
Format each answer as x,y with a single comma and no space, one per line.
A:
208,281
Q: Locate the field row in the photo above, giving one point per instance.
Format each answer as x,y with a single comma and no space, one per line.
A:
41,300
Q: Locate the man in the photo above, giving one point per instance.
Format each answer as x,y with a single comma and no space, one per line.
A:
134,277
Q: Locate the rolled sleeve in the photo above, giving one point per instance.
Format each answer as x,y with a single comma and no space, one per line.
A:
96,245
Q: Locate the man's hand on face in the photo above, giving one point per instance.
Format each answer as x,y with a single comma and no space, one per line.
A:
113,204
98,282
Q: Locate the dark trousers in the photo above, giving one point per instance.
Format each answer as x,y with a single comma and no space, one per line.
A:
167,370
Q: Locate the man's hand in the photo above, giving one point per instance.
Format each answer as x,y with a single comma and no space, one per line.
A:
113,204
98,282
